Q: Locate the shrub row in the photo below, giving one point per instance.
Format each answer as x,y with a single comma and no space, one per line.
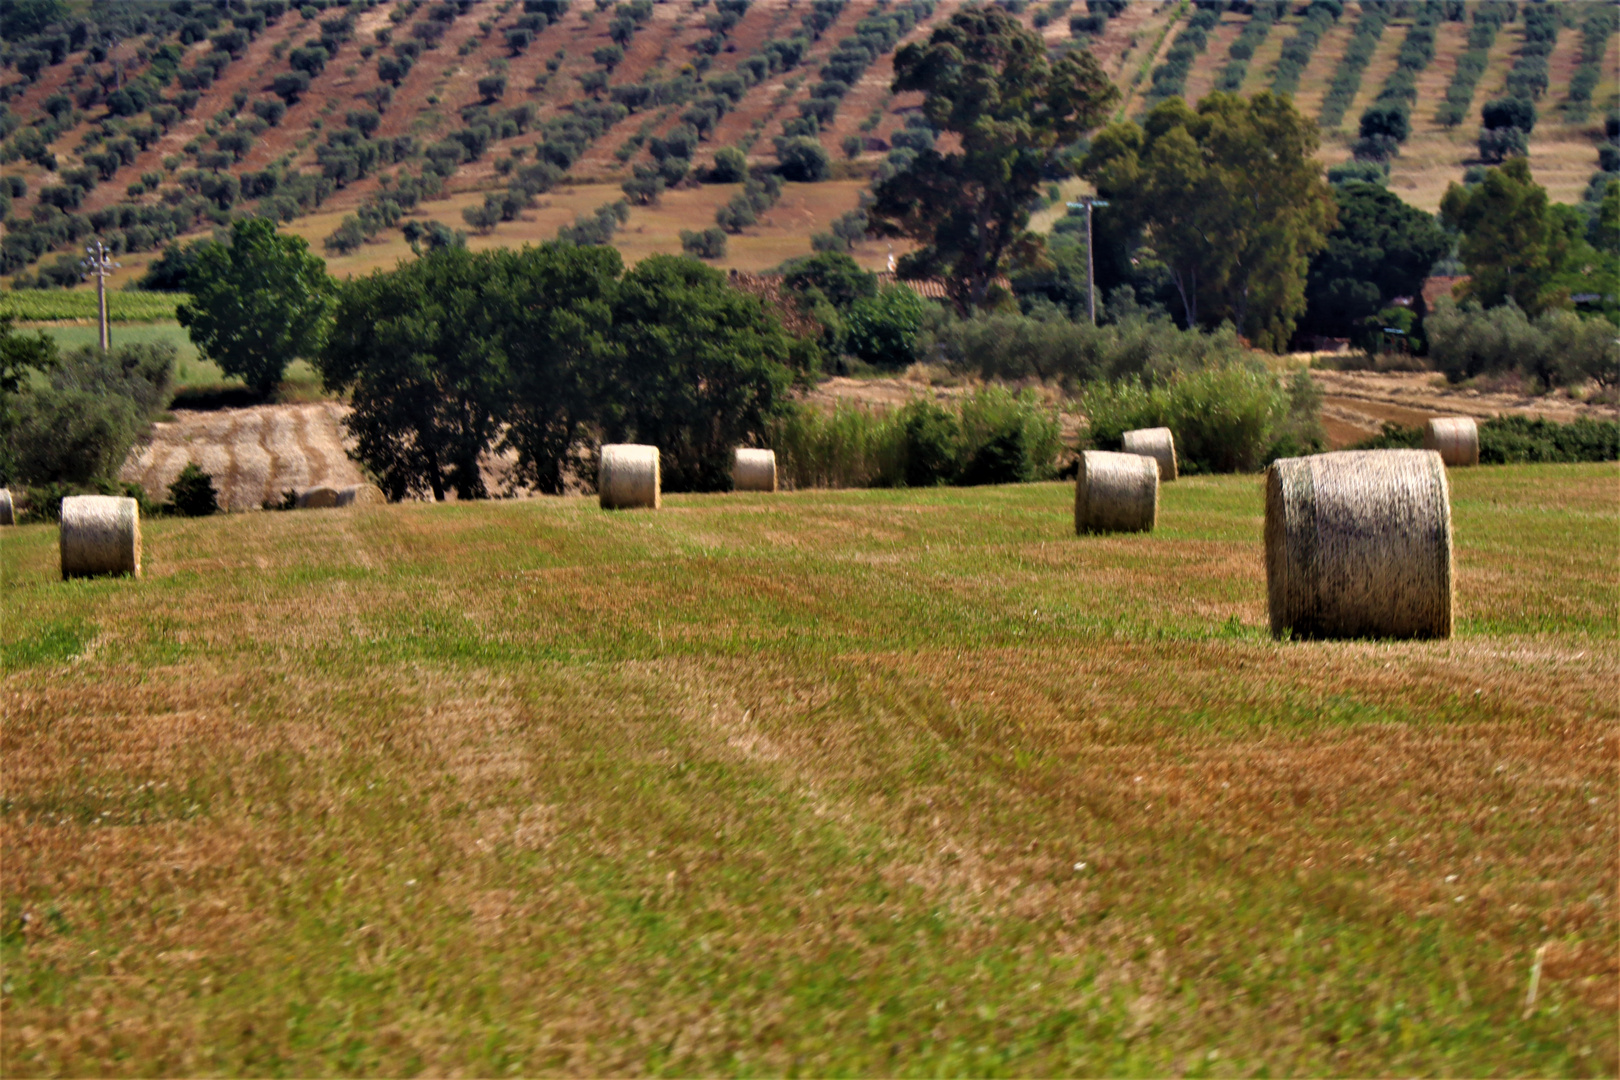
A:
1263,17
1488,19
1386,123
1511,440
1347,77
1602,20
1170,77
1319,18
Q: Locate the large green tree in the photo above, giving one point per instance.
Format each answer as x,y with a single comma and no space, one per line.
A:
1514,242
258,303
1230,198
556,303
988,81
421,352
698,369
1380,249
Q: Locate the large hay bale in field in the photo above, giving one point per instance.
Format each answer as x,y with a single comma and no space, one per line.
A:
1158,444
317,498
628,477
361,495
1116,493
1358,544
100,535
753,470
8,515
1455,438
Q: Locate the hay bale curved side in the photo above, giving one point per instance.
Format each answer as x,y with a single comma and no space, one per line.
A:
628,477
1358,544
1116,493
361,495
1456,438
100,536
8,513
753,470
319,497
1157,443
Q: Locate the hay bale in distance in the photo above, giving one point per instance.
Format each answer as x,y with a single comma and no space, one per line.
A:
1358,544
1157,443
8,513
628,477
100,535
1456,438
317,498
753,470
1116,493
361,495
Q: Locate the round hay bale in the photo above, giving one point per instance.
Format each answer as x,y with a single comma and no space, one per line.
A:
1456,438
1116,493
753,470
8,514
317,498
361,495
1358,544
101,534
628,477
1158,444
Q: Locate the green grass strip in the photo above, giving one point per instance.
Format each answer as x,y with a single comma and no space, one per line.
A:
54,305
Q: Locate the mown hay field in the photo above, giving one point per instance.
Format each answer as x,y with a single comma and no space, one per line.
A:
827,782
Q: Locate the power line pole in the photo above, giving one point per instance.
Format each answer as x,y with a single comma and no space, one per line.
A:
1088,202
98,262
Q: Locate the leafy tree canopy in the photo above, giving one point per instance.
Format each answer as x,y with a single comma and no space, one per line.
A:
1515,243
989,81
1232,201
258,303
546,351
699,368
1381,248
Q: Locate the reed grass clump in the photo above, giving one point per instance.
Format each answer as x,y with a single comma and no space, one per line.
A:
1116,493
1455,438
628,477
100,536
1358,544
753,470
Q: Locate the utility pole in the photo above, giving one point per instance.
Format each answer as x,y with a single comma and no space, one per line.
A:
98,262
1088,202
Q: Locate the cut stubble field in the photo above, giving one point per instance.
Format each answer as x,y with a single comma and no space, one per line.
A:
824,782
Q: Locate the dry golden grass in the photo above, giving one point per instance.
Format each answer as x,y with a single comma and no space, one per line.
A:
875,782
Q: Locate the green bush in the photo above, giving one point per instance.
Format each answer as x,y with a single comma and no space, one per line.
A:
192,493
883,329
1013,347
1232,418
1507,440
1556,348
991,437
77,428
